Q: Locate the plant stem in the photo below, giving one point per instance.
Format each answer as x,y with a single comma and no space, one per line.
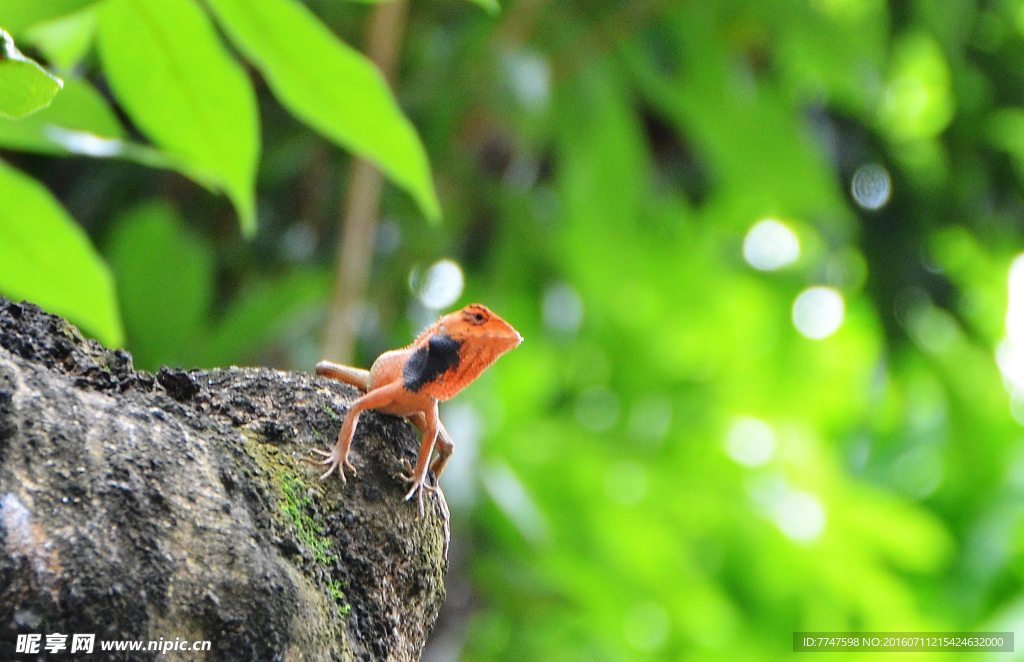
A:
362,204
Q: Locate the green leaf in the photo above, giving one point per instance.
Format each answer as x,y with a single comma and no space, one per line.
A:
25,87
47,258
164,281
17,15
79,107
64,40
331,87
185,92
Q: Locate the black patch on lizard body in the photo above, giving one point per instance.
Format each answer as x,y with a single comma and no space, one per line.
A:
437,356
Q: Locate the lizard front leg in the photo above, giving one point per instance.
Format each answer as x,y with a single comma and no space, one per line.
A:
337,458
444,446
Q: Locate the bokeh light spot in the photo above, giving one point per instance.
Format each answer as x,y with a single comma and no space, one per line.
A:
529,76
871,186
920,471
389,238
650,419
626,483
646,626
750,441
597,409
770,245
299,242
465,426
800,516
933,328
562,309
818,312
442,285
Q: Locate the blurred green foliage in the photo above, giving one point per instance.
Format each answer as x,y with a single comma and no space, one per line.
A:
671,466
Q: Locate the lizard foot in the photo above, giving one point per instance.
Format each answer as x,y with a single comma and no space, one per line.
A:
334,460
419,486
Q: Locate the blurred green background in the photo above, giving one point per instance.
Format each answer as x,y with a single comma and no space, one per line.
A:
760,251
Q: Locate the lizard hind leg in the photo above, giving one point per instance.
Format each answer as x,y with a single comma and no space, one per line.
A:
445,446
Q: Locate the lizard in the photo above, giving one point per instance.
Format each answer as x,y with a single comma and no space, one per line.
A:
445,358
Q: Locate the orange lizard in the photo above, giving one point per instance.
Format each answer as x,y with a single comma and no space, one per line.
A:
445,358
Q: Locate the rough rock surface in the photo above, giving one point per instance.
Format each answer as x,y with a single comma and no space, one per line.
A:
139,507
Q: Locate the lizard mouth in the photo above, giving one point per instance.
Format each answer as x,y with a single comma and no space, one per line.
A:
507,342
502,342
512,337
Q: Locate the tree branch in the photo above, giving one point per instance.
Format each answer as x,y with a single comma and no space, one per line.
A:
138,507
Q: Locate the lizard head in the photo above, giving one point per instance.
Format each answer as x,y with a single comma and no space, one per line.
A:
479,328
457,348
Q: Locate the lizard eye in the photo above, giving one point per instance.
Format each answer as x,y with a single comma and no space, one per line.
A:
474,317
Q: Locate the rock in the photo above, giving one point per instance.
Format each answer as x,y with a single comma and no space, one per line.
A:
142,508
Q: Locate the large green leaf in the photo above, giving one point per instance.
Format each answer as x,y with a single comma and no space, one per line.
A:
331,87
16,15
25,87
79,107
185,92
45,257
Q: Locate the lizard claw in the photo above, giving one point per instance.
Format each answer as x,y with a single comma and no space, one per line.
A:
418,488
336,463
